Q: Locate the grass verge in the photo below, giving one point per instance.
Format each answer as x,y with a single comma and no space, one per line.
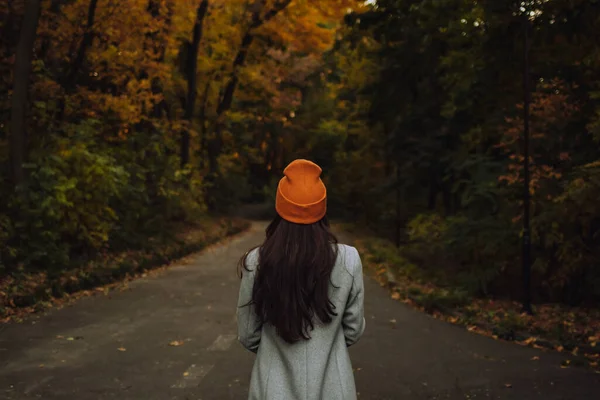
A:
573,331
24,293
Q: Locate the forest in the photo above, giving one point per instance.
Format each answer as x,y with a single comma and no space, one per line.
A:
127,122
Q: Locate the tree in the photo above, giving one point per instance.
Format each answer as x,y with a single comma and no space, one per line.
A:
191,65
20,89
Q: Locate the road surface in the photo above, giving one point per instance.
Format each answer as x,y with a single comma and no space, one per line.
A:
173,336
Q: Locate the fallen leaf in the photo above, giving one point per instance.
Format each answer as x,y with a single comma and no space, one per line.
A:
393,321
396,296
575,351
530,340
508,385
122,349
186,373
176,343
70,339
535,358
559,348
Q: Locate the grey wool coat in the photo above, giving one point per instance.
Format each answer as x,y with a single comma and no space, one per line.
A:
314,369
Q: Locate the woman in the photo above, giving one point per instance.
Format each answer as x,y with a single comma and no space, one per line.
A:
301,298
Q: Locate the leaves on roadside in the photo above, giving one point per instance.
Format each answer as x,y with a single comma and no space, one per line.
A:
122,349
176,343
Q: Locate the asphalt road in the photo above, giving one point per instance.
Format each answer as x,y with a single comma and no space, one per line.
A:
117,346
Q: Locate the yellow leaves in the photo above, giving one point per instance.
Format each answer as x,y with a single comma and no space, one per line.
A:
122,349
396,296
529,341
176,343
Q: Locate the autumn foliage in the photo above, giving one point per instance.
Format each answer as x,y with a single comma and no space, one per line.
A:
137,116
421,105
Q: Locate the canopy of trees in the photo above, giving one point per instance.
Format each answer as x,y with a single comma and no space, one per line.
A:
125,116
421,106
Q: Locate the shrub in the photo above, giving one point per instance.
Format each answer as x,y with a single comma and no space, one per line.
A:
64,207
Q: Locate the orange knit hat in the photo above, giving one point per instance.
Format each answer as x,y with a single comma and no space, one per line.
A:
301,194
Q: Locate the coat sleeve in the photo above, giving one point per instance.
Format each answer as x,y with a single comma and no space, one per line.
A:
249,325
353,321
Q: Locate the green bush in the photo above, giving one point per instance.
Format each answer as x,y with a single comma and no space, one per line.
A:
64,207
81,197
463,252
567,235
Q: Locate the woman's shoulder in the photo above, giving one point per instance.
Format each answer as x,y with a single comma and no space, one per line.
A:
251,259
348,256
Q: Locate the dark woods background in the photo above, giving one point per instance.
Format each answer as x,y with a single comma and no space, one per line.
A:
140,116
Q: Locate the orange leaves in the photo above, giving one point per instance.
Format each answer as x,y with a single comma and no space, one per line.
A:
551,108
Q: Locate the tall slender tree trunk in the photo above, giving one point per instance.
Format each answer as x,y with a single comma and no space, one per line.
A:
86,43
70,77
192,64
6,33
18,141
202,123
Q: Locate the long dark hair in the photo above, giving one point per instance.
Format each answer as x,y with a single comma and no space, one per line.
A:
291,285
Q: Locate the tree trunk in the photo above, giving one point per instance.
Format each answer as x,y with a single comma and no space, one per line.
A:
192,63
18,142
86,43
433,193
202,123
398,221
7,32
154,9
70,78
